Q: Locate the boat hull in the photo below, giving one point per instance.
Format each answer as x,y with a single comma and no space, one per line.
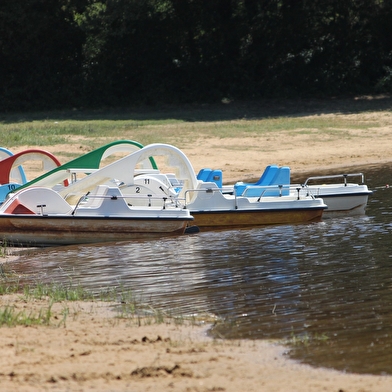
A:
33,230
345,205
247,218
344,199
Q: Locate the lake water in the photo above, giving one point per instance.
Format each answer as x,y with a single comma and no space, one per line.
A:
326,285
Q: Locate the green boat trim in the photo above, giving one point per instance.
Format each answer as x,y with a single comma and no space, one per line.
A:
89,161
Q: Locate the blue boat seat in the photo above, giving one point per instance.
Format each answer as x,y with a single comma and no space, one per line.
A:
7,188
216,176
203,174
209,175
282,176
265,180
273,176
268,175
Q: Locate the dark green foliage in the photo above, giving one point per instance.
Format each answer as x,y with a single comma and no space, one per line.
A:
66,53
40,53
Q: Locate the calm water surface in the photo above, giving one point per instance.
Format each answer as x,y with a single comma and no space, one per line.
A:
327,284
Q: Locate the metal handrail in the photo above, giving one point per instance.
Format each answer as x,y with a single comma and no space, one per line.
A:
290,187
343,176
265,189
205,190
115,197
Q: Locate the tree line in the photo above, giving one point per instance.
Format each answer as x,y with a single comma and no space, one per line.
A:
86,53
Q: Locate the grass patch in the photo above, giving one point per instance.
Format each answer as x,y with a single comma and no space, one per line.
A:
181,126
56,292
11,317
305,339
123,302
9,280
49,294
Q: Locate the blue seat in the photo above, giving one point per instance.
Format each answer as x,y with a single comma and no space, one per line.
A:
215,176
209,175
7,188
267,177
265,180
282,176
203,174
273,175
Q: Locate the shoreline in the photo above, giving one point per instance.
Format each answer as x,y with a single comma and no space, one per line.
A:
95,350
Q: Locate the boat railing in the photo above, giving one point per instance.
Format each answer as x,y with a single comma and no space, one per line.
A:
265,191
187,193
343,177
88,199
73,172
275,191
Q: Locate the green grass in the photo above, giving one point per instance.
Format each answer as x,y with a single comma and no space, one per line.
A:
56,292
11,317
305,339
182,126
123,302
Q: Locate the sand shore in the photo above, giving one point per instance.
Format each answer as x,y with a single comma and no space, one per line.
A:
94,350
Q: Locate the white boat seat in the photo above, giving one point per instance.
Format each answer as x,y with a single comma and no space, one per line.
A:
37,200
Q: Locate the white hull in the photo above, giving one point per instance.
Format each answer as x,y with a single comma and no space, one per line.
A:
342,200
138,186
40,217
341,197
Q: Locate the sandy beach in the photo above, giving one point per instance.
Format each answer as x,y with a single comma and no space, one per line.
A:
95,350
